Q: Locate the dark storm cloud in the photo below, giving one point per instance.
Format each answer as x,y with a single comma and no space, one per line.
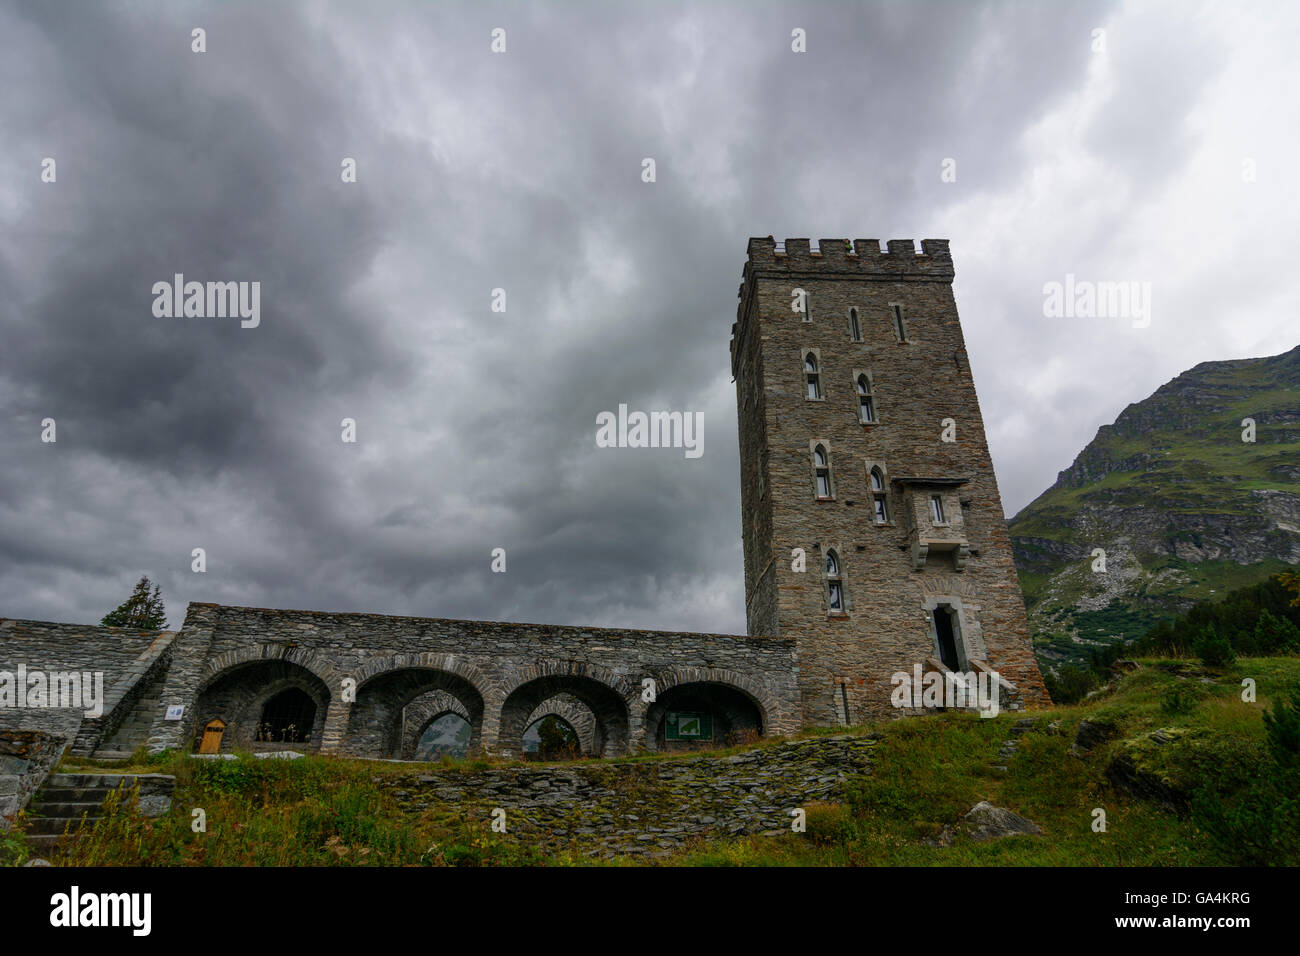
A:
475,172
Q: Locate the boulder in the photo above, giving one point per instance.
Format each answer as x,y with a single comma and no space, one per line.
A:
987,822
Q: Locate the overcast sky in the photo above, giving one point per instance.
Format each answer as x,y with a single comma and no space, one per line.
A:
522,170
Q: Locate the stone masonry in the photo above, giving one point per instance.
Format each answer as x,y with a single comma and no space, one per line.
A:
892,393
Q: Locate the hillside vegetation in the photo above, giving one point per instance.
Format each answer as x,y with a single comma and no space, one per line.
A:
1182,506
1185,770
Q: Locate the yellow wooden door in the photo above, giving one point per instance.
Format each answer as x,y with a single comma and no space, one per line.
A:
212,734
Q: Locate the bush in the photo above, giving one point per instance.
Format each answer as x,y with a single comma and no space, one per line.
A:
1275,635
1213,649
1179,699
1282,730
1070,684
1260,824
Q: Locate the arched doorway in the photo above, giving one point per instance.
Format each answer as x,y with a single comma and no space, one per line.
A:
607,706
265,705
287,718
702,715
380,726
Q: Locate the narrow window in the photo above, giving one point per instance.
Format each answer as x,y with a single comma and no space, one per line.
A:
866,405
855,329
899,329
936,509
822,470
878,500
834,584
812,375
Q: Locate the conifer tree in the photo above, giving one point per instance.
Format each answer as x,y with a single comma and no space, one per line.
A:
143,610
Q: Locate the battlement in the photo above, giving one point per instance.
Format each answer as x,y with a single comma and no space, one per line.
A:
796,260
854,257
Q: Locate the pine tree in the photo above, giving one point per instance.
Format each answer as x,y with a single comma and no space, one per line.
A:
1275,634
142,610
1213,649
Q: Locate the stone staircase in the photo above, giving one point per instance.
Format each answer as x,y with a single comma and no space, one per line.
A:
134,730
67,801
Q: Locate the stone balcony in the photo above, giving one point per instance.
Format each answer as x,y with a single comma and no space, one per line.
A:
931,528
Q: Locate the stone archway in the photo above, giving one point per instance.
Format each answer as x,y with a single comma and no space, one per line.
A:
240,695
377,722
702,714
580,718
606,699
422,713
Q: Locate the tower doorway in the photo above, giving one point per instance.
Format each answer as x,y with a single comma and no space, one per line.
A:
947,638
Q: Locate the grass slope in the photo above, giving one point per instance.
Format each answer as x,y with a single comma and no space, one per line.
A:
1184,726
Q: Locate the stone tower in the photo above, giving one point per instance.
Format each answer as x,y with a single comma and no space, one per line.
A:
861,443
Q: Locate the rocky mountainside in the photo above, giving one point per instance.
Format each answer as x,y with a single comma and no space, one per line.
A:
1183,506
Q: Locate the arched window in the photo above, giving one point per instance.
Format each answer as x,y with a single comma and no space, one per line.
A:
834,582
855,328
899,328
878,497
866,404
822,471
813,375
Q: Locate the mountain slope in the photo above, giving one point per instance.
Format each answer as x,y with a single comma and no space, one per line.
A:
1181,505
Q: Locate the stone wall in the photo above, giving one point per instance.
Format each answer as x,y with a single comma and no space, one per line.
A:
227,659
41,646
648,807
892,573
26,758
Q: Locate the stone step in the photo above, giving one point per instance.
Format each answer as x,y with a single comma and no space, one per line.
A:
109,780
71,810
121,755
50,826
70,795
40,843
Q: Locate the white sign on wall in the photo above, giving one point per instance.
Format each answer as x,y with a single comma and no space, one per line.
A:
174,711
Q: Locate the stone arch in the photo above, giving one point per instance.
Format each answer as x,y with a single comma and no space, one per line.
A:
447,663
376,721
738,705
420,713
606,694
574,713
238,695
305,657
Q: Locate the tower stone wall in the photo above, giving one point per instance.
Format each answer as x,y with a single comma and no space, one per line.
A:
924,437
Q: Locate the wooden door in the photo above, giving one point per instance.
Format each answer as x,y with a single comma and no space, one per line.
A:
212,734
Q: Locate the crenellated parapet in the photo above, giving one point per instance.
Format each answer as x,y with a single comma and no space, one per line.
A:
858,257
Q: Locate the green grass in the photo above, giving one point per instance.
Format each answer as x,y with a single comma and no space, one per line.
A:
926,773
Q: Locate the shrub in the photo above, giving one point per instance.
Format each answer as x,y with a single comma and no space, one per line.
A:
1179,699
1275,635
1213,649
1282,729
1069,684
